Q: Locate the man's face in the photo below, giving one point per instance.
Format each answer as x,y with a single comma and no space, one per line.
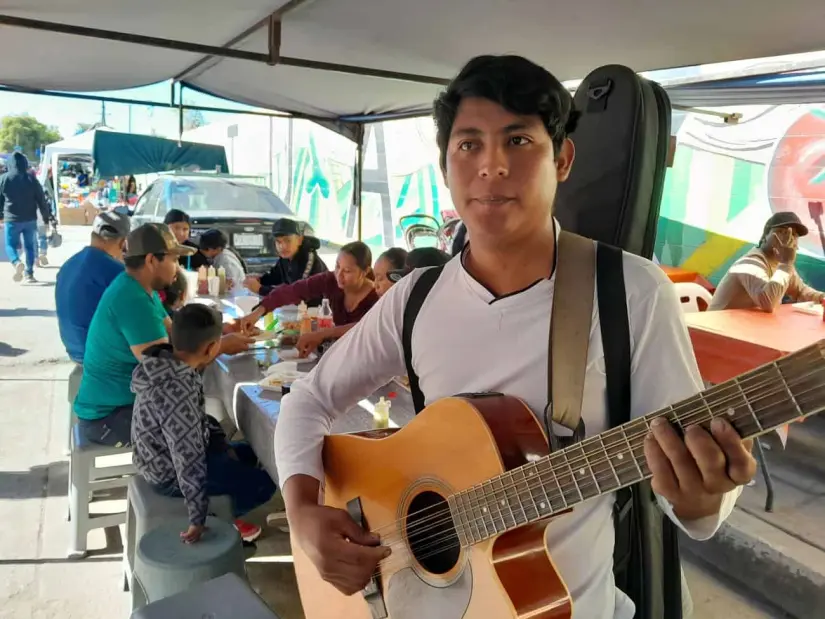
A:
287,246
163,271
501,171
784,236
181,230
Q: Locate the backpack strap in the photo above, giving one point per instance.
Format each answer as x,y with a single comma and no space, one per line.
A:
570,327
418,295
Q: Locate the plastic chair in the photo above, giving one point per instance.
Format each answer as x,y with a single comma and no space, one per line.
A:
694,298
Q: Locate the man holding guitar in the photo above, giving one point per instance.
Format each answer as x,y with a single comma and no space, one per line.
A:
502,130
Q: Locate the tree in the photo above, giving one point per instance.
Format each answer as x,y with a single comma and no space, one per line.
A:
27,133
192,119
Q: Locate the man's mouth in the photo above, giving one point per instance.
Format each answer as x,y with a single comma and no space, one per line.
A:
493,200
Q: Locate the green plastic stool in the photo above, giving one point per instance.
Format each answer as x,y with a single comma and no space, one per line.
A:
165,566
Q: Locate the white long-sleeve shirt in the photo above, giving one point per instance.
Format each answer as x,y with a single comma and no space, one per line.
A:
467,341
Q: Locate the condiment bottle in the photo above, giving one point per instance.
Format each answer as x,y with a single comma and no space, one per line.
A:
304,317
222,278
203,281
325,315
381,414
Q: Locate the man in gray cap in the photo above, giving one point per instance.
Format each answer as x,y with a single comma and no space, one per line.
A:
129,319
764,276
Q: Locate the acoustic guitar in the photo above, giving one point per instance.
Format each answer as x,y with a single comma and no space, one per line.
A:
469,485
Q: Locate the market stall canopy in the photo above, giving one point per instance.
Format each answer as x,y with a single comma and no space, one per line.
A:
356,60
120,154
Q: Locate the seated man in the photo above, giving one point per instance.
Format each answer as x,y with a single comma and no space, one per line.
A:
765,275
81,282
129,319
179,450
214,244
180,225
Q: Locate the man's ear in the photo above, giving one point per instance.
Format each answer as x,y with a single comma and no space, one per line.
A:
564,160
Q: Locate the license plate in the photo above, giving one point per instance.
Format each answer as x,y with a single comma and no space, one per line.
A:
249,240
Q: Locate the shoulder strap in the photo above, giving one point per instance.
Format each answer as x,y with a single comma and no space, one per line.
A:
570,327
615,330
418,295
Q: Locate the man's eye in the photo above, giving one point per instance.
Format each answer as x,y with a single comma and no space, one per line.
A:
519,140
465,146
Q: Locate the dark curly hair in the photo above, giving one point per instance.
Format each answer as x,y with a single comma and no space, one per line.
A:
515,83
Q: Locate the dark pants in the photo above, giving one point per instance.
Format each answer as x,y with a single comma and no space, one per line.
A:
114,430
242,479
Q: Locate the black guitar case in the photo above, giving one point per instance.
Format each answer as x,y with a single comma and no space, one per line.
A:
622,143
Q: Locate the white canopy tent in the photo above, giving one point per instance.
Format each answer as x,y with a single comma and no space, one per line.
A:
356,60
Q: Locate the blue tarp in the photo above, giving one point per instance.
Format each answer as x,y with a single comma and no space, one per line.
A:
120,154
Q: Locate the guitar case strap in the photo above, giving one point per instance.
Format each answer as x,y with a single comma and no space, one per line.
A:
570,329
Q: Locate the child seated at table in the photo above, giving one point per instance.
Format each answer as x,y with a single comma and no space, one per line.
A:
175,295
178,449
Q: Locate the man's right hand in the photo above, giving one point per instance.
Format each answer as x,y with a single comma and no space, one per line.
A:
235,343
344,554
253,283
786,254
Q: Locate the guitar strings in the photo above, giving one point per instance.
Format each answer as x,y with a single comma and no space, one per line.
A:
740,396
401,562
417,530
570,482
591,481
584,485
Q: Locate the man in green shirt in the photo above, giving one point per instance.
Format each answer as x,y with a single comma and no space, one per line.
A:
129,319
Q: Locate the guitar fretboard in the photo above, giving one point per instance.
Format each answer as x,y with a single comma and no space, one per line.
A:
755,403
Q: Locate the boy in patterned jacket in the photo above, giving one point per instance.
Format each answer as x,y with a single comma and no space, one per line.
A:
178,449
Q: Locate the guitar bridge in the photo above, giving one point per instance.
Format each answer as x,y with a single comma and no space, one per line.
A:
372,592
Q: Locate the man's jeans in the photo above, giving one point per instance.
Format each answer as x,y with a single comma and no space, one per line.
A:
249,485
28,230
114,430
42,240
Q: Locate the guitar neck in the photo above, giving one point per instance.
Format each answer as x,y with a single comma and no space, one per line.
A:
755,403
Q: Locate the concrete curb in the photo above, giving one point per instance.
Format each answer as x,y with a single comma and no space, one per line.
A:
765,560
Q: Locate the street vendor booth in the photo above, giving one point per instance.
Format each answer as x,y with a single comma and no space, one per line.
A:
111,154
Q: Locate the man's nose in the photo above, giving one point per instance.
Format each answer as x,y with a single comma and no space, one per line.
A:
494,163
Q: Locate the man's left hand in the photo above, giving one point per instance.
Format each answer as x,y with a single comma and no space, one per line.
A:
694,473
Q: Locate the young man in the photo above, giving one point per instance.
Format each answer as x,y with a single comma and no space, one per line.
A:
765,275
214,244
21,197
180,225
81,282
178,449
502,131
297,258
129,319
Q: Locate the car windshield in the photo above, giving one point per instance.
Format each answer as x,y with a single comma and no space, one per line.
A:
210,195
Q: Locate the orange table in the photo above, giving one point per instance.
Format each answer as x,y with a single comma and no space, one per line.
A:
730,342
679,275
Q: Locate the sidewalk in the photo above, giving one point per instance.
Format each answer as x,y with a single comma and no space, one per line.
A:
779,556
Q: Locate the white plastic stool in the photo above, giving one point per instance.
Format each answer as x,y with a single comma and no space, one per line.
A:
85,478
165,566
74,385
146,509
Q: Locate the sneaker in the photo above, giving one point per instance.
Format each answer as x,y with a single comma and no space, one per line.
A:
249,532
42,261
30,279
19,269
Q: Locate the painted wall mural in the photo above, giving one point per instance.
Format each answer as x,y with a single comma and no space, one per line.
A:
728,179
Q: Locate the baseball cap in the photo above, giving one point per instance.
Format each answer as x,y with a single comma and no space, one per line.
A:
285,227
111,225
155,239
783,219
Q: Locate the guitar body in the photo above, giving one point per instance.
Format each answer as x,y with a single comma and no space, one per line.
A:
451,446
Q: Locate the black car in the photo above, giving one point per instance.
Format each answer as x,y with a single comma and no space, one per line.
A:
242,209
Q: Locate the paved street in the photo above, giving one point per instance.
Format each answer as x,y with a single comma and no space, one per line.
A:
36,580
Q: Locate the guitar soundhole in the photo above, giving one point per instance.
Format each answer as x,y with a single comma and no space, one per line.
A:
430,533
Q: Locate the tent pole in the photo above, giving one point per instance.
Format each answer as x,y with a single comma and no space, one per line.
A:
357,177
